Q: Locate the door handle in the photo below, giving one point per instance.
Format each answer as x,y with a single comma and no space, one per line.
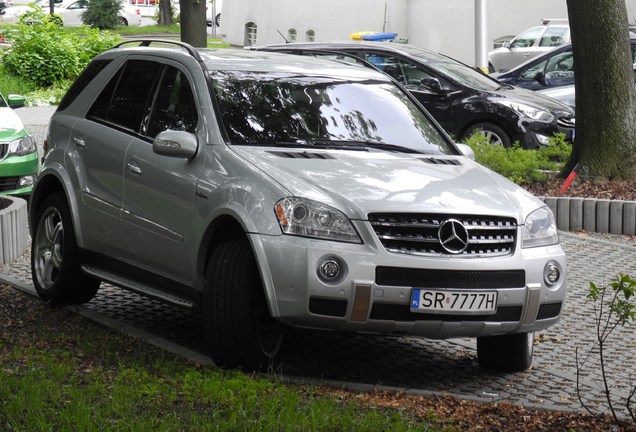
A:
133,167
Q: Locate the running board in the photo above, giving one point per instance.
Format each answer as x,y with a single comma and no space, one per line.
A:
138,287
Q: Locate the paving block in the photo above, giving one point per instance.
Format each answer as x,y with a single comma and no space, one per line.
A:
576,214
616,217
629,218
589,214
603,215
563,213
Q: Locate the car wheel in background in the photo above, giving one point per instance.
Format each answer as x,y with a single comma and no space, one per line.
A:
508,352
494,133
123,21
55,256
238,327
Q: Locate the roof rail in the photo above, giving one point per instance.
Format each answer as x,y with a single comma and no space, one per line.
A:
147,42
547,21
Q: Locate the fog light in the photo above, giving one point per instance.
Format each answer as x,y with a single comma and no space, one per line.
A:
551,273
26,181
331,269
542,139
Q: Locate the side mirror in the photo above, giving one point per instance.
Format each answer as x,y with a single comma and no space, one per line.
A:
540,77
16,101
432,84
506,44
466,150
175,144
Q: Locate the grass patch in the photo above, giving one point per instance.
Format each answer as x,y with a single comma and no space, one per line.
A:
63,372
10,84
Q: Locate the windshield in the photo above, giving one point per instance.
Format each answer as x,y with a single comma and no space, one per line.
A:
286,110
467,76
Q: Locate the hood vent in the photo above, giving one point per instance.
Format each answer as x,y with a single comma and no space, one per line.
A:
438,161
301,155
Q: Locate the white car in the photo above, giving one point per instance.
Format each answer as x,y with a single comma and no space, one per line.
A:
213,13
529,44
71,12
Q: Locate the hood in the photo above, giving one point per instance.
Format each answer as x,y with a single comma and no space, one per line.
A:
363,182
529,97
10,125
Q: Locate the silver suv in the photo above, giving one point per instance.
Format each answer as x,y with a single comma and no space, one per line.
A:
266,190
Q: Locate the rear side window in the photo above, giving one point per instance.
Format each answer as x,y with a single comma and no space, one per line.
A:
91,71
126,99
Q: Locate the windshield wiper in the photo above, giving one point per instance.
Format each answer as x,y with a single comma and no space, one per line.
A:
363,145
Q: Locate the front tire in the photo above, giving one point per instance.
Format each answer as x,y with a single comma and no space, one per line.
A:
508,353
238,327
493,133
55,265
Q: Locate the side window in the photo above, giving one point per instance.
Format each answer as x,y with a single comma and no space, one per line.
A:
553,36
91,71
390,65
527,38
126,99
560,66
533,70
174,107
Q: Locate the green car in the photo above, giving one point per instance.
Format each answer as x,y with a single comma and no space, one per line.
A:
18,151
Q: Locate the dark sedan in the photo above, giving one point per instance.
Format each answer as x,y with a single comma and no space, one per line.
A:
463,100
552,69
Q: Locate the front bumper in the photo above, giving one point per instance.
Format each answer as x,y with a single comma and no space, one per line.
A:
18,174
361,300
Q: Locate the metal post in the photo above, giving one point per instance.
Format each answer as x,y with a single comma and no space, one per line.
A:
481,43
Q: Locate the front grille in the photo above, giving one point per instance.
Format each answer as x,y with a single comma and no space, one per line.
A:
460,279
392,312
419,234
4,149
9,183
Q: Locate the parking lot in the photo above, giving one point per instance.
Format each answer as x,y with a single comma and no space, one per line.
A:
417,365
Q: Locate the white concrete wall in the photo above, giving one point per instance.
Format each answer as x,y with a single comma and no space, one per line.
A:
444,26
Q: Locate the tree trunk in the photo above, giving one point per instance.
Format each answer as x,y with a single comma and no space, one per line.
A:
193,26
165,13
605,141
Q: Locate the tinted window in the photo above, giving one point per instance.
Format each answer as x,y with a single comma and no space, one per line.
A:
91,71
174,107
304,111
560,66
126,99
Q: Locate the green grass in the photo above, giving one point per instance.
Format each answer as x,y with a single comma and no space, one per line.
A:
10,84
60,371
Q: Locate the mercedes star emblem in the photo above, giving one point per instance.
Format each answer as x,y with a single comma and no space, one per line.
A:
453,236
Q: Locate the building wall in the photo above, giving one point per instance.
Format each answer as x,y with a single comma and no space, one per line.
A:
444,26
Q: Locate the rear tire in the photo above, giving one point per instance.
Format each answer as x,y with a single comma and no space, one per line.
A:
55,264
238,327
494,133
508,353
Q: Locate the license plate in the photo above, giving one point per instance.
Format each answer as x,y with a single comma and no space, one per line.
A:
453,302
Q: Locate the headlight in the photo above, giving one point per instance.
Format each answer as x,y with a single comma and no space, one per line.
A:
540,229
22,146
306,218
528,111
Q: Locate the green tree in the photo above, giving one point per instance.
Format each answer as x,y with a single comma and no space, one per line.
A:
193,26
605,139
103,14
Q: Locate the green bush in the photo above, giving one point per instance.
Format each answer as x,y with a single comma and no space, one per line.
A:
103,14
518,164
42,52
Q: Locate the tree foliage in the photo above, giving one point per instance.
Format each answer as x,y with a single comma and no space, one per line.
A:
103,14
605,97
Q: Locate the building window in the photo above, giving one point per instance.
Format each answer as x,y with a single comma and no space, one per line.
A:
310,36
250,34
292,35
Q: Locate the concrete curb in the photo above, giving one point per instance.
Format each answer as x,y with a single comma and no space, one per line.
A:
13,228
593,215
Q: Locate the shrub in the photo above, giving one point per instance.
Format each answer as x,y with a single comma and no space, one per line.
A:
40,52
518,164
44,53
103,14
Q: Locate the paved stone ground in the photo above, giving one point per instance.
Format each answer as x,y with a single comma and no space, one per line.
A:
418,365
